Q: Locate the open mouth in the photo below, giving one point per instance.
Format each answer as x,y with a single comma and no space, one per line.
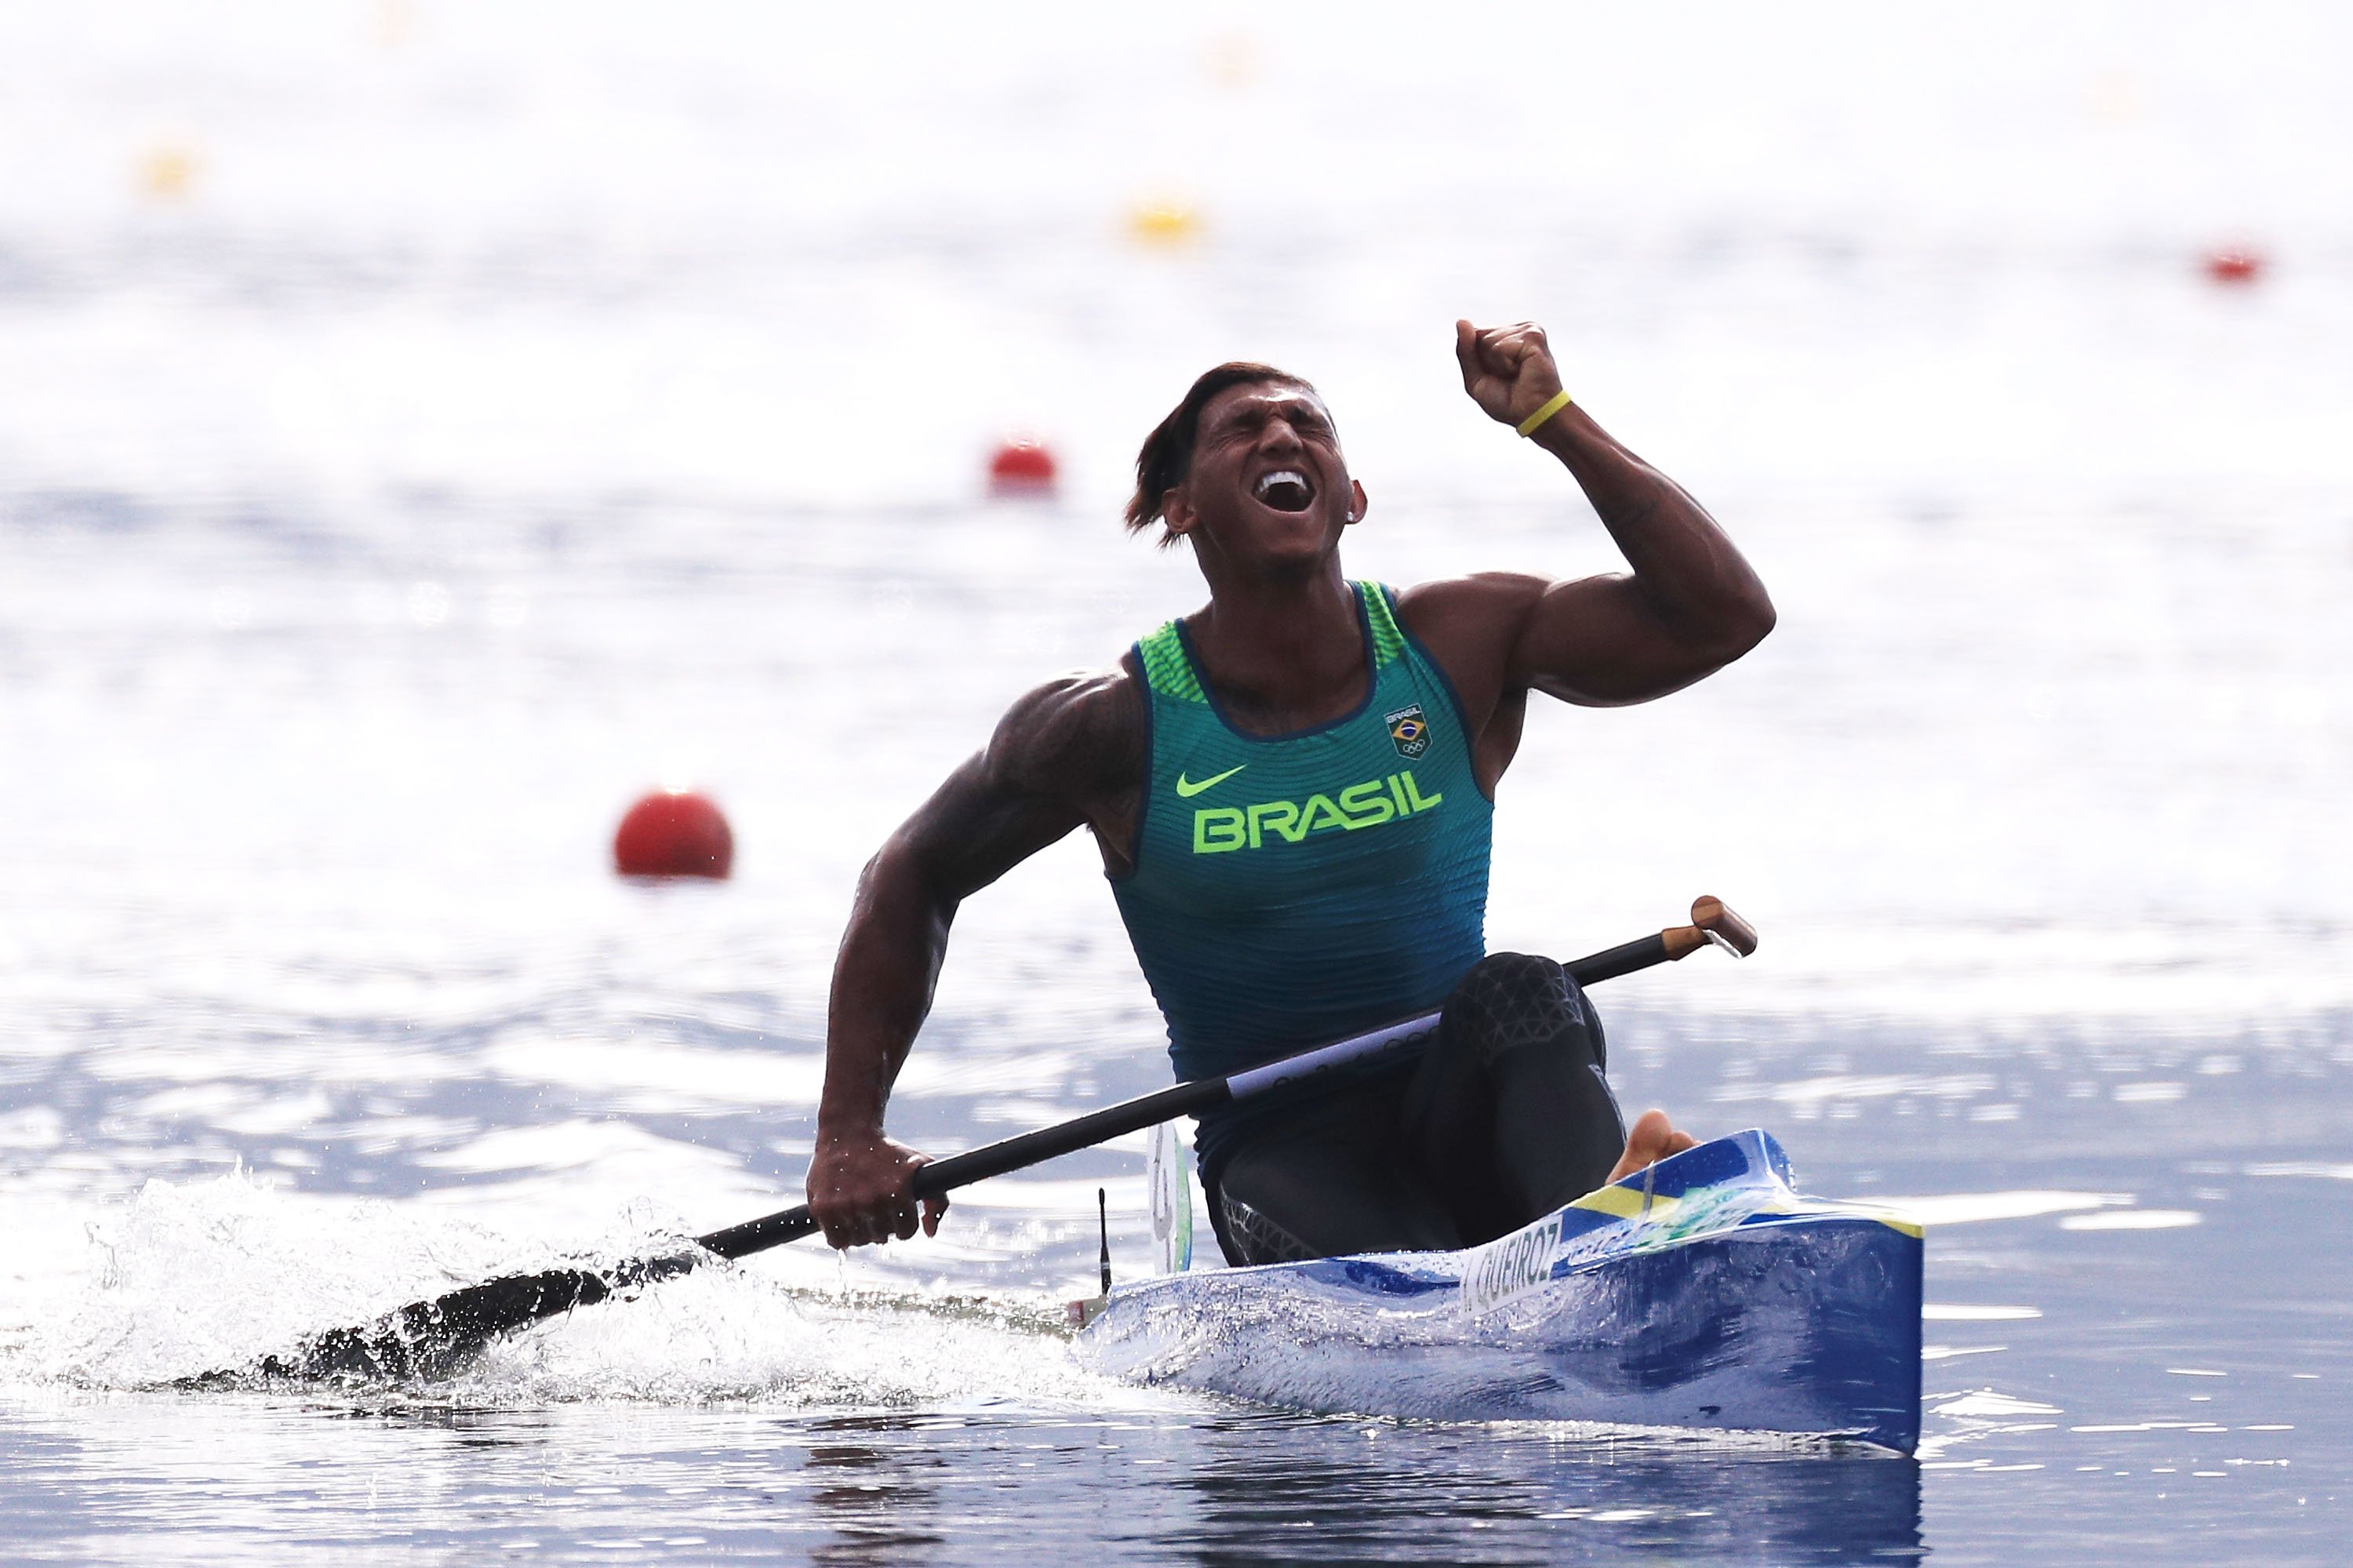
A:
1285,490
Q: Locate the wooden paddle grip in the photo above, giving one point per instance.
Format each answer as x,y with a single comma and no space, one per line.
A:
1710,920
1712,915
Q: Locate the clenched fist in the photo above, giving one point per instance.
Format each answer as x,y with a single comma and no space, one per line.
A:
1508,371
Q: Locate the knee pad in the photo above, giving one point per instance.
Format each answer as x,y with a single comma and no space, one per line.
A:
1510,999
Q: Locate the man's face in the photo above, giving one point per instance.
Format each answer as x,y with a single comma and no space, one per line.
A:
1268,482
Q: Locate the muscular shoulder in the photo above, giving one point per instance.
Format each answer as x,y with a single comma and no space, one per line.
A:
1471,624
1079,736
1481,596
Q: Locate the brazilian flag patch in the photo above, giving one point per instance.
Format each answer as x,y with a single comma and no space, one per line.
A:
1408,731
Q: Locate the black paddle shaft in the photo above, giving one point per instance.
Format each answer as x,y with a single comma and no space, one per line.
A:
428,1339
1008,1154
1027,1148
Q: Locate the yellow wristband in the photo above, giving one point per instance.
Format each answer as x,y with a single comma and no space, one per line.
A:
1553,405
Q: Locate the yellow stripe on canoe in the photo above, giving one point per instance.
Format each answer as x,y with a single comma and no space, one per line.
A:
1629,1203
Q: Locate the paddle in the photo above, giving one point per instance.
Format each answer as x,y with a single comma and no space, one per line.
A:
426,1339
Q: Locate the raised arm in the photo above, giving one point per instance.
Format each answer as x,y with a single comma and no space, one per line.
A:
1690,604
1069,753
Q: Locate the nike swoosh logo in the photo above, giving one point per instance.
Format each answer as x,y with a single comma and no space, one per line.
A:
1186,789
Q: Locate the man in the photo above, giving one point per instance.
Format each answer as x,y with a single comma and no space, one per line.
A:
1290,789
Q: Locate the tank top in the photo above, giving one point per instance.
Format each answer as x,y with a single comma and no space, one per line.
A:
1291,890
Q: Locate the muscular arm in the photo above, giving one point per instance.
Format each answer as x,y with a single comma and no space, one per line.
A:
1690,604
1069,753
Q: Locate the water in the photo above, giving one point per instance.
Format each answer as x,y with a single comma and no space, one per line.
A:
497,413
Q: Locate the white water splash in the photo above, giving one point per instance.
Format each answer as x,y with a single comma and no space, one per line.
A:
735,1336
189,1278
193,1277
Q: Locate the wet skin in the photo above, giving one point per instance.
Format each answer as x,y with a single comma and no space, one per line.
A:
1279,641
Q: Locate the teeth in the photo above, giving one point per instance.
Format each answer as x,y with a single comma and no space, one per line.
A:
1282,476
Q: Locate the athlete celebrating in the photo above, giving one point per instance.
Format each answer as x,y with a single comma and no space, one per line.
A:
1292,790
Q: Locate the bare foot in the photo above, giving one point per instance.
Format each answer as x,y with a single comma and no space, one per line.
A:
1652,1139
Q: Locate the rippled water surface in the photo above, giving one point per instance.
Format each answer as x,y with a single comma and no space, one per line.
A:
425,429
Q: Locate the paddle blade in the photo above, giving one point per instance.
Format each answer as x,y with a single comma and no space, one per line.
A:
430,1338
426,1340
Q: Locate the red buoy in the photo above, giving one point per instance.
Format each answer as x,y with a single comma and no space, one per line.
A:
1021,467
2236,265
674,833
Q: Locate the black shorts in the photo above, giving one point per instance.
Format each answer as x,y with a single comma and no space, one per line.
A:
1506,1117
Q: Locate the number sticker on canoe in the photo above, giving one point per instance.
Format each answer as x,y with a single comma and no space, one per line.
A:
1510,1266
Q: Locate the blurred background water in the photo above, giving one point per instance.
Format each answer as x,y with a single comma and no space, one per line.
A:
424,427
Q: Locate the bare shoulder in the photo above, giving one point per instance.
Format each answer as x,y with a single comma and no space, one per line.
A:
1471,624
1481,597
1081,735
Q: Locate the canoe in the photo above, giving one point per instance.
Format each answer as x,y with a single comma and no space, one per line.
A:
1703,1293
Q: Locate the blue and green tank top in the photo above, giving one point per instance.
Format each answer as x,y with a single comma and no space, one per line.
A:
1293,889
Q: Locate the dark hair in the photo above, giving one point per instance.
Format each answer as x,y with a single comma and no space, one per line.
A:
1166,455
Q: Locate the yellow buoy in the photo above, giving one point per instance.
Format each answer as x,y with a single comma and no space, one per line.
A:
166,172
1163,220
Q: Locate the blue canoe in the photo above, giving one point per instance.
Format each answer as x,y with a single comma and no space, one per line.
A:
1703,1293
